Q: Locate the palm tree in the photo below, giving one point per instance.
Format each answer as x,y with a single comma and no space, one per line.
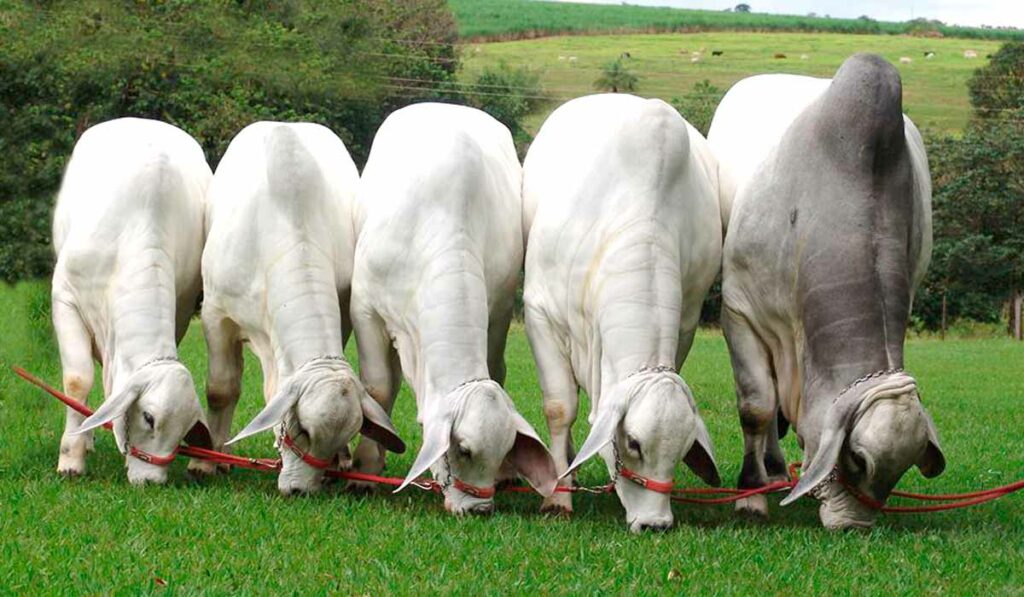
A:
616,77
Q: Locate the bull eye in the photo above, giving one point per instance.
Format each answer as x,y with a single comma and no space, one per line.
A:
464,452
634,446
148,418
858,462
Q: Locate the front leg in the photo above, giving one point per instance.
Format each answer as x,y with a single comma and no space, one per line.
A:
75,345
381,373
757,404
223,384
561,401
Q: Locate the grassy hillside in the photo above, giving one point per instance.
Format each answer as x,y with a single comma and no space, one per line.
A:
934,90
235,534
516,19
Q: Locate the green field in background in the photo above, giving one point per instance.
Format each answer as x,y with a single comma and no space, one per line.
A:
934,90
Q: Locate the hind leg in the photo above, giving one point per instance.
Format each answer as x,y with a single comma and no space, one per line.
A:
381,373
75,344
756,400
561,400
774,458
223,384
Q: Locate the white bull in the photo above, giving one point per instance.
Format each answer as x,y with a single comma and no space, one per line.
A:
439,253
277,271
128,231
625,238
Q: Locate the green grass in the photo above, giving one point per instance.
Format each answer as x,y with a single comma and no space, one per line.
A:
934,91
516,19
234,534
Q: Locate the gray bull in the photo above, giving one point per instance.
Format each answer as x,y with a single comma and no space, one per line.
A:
829,235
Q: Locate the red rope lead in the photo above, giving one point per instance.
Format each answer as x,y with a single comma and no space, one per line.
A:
956,500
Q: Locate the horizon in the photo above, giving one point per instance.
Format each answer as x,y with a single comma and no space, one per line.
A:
965,13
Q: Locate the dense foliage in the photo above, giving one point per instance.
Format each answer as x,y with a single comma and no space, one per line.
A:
978,205
519,19
698,106
208,67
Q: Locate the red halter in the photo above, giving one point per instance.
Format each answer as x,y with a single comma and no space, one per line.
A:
484,493
313,461
152,458
648,484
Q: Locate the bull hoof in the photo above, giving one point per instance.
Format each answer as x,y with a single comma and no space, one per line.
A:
70,466
559,504
754,507
200,469
361,488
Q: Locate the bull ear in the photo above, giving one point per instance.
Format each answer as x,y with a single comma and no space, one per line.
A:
437,435
112,408
199,435
701,456
531,458
377,425
833,436
272,414
932,462
603,431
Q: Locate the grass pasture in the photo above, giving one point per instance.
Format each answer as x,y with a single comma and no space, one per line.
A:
516,19
934,90
234,534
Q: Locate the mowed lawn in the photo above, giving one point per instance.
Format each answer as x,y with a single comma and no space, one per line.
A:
235,533
934,90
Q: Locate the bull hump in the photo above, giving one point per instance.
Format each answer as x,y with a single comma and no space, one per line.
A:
863,109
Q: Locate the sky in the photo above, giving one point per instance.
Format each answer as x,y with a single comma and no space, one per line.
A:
952,12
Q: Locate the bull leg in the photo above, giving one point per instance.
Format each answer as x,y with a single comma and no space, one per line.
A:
76,363
223,383
497,336
381,373
561,400
774,458
756,400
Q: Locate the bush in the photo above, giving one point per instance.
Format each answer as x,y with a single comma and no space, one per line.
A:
208,67
698,106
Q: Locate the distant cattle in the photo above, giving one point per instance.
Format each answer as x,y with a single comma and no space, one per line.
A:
717,52
780,55
970,54
929,55
625,55
804,56
905,60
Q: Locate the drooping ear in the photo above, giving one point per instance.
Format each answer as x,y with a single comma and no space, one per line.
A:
437,435
378,427
272,414
602,432
932,462
701,456
531,458
833,436
199,435
112,408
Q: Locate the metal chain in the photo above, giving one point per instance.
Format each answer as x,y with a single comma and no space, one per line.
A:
652,369
159,360
818,491
865,378
446,482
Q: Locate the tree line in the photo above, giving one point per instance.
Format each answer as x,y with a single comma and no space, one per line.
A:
214,67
